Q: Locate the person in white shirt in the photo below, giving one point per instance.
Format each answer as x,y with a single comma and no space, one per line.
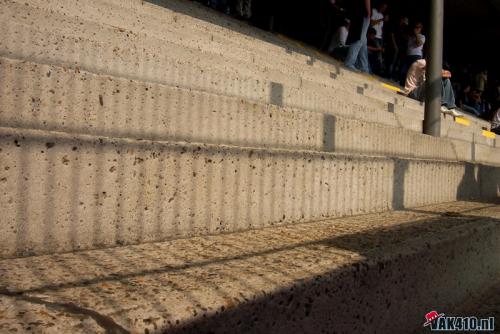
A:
415,49
377,22
338,47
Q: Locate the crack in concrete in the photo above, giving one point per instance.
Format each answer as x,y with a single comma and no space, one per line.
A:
107,323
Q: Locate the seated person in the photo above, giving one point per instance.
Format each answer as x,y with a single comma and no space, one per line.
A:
338,47
415,87
374,49
474,103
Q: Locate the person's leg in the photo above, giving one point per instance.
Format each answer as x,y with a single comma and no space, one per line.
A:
418,93
354,50
447,94
378,61
352,54
363,51
391,63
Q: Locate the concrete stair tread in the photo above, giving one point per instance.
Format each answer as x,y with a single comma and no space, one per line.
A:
155,53
187,282
116,107
49,97
268,67
249,86
352,80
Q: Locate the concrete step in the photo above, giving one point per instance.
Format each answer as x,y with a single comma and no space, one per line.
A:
49,97
297,92
174,26
62,192
348,275
127,13
167,21
211,33
107,50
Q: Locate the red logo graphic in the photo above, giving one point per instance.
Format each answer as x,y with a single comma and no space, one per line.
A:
431,316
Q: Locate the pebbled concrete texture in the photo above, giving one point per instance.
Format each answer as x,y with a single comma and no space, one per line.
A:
484,303
158,64
48,97
345,275
63,192
119,49
195,27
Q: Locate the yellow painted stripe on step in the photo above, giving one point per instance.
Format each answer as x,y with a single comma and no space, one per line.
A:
462,120
369,76
393,88
489,134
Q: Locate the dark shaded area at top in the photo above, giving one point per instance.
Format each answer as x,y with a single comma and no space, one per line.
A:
471,27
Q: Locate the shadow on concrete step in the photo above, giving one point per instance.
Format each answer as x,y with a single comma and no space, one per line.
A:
203,13
407,269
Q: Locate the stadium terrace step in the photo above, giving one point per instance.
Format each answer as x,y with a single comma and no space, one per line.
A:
79,53
344,275
214,33
90,192
48,97
168,20
77,45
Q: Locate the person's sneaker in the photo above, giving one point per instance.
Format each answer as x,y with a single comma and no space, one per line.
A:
352,68
451,112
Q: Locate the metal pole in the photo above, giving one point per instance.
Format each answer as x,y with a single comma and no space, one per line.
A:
432,117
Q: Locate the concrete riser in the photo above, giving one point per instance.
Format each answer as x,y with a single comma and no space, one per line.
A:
287,90
168,22
166,68
411,282
150,22
61,193
183,30
52,98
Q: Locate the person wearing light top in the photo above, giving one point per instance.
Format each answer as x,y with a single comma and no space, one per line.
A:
338,47
377,23
415,50
415,87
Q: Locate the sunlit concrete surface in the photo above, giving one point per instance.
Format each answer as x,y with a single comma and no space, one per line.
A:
62,192
49,97
165,168
348,275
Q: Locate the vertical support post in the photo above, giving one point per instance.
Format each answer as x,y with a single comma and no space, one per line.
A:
432,117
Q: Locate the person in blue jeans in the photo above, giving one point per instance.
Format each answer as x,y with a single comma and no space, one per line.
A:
357,55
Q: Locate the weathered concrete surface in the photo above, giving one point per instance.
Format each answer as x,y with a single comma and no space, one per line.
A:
241,44
484,303
49,97
61,192
173,26
348,275
134,57
119,50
